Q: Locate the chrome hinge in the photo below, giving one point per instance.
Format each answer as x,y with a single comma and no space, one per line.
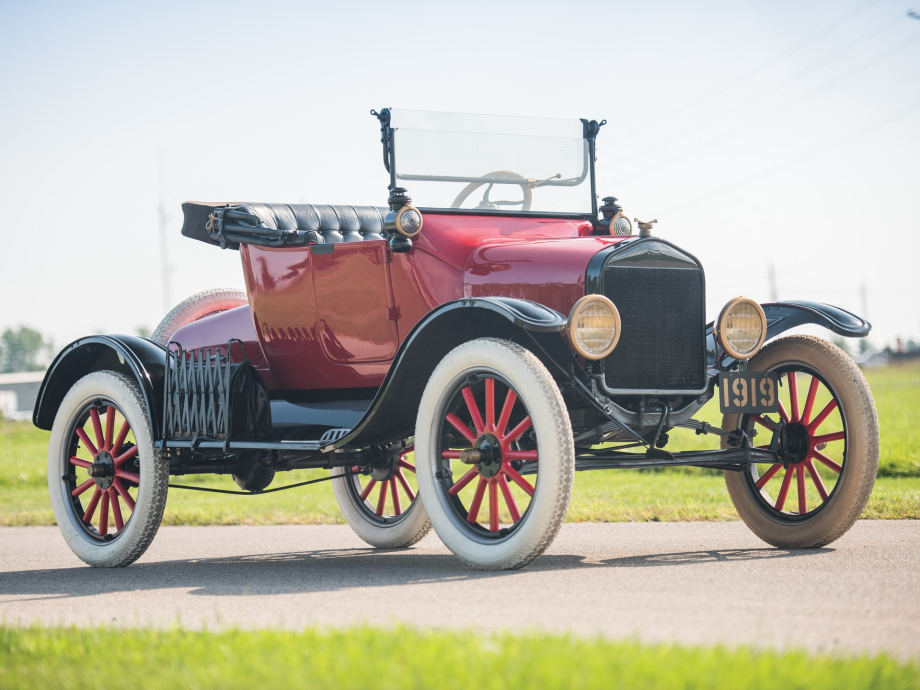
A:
392,313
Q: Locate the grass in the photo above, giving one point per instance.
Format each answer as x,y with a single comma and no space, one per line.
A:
369,657
624,495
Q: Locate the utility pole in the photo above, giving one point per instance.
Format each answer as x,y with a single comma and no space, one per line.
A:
864,300
771,277
912,14
164,247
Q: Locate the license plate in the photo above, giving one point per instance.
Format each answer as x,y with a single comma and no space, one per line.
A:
748,392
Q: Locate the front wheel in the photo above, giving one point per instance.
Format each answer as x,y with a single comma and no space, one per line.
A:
830,440
495,455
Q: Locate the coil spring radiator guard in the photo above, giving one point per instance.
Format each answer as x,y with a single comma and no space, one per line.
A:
213,396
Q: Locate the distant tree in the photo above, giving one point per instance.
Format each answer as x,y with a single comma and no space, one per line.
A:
143,331
24,349
864,345
842,344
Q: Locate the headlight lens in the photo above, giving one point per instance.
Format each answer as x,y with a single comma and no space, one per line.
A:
742,328
621,226
408,221
594,326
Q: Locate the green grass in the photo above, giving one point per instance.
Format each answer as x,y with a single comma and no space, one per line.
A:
624,495
406,658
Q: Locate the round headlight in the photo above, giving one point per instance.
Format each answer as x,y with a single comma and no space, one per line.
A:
408,221
594,326
741,328
621,225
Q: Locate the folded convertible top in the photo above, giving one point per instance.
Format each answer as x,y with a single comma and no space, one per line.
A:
195,220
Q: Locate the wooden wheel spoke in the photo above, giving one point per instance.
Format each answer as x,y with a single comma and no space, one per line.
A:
124,457
827,438
104,514
784,489
529,455
462,428
86,442
473,409
490,405
816,478
810,400
97,428
782,411
800,485
109,426
814,424
462,482
493,506
502,424
397,502
80,462
405,464
822,458
122,435
83,487
130,476
91,506
516,432
123,492
509,499
764,422
116,511
405,485
793,396
767,476
473,515
367,489
519,480
382,498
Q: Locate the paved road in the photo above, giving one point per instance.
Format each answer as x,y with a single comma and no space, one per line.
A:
684,582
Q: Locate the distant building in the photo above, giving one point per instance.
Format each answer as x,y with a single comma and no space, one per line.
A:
18,393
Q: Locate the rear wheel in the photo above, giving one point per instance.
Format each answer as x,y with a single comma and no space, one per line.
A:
198,306
107,482
382,506
495,455
830,441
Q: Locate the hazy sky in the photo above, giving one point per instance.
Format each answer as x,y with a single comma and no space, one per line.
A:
756,132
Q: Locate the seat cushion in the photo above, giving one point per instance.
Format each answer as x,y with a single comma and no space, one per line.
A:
340,223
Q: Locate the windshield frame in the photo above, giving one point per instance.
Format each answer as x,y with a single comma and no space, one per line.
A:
590,129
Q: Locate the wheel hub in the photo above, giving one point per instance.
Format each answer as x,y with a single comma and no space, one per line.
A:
102,470
797,442
486,455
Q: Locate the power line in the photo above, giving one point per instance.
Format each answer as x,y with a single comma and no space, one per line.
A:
798,160
736,81
782,110
769,91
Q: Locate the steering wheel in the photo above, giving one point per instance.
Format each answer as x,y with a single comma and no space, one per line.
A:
525,184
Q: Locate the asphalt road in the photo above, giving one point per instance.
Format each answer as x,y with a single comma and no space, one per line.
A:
683,582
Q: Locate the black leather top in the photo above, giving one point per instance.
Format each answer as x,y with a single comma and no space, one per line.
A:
339,223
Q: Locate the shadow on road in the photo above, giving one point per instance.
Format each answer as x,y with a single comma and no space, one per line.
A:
327,571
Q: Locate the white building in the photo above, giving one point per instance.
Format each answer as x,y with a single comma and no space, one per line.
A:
18,393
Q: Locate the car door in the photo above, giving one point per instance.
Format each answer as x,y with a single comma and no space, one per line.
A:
356,315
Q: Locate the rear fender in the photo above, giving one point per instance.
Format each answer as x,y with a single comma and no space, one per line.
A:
139,358
393,412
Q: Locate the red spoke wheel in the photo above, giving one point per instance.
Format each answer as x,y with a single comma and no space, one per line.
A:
381,504
828,444
495,454
107,483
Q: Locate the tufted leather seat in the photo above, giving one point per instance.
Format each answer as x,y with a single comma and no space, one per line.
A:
339,223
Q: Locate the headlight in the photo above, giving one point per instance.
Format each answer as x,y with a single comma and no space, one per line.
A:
741,328
594,326
408,221
620,225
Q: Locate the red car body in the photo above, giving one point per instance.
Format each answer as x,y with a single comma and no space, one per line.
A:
336,319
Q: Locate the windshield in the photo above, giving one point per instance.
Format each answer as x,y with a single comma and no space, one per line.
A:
492,162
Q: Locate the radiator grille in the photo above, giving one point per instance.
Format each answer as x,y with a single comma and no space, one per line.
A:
662,342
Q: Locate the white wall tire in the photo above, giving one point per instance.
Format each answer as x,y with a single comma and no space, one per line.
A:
390,515
791,506
198,306
85,521
545,445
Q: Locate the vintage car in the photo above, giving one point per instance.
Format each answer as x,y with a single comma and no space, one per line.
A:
454,363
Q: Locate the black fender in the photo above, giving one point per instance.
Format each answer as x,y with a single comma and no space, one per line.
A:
139,358
393,412
781,316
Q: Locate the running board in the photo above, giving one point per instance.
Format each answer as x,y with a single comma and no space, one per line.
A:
729,459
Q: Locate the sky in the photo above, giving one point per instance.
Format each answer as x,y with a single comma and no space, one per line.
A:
757,133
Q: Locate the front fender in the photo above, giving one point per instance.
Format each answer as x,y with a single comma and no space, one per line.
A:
142,359
393,411
781,316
